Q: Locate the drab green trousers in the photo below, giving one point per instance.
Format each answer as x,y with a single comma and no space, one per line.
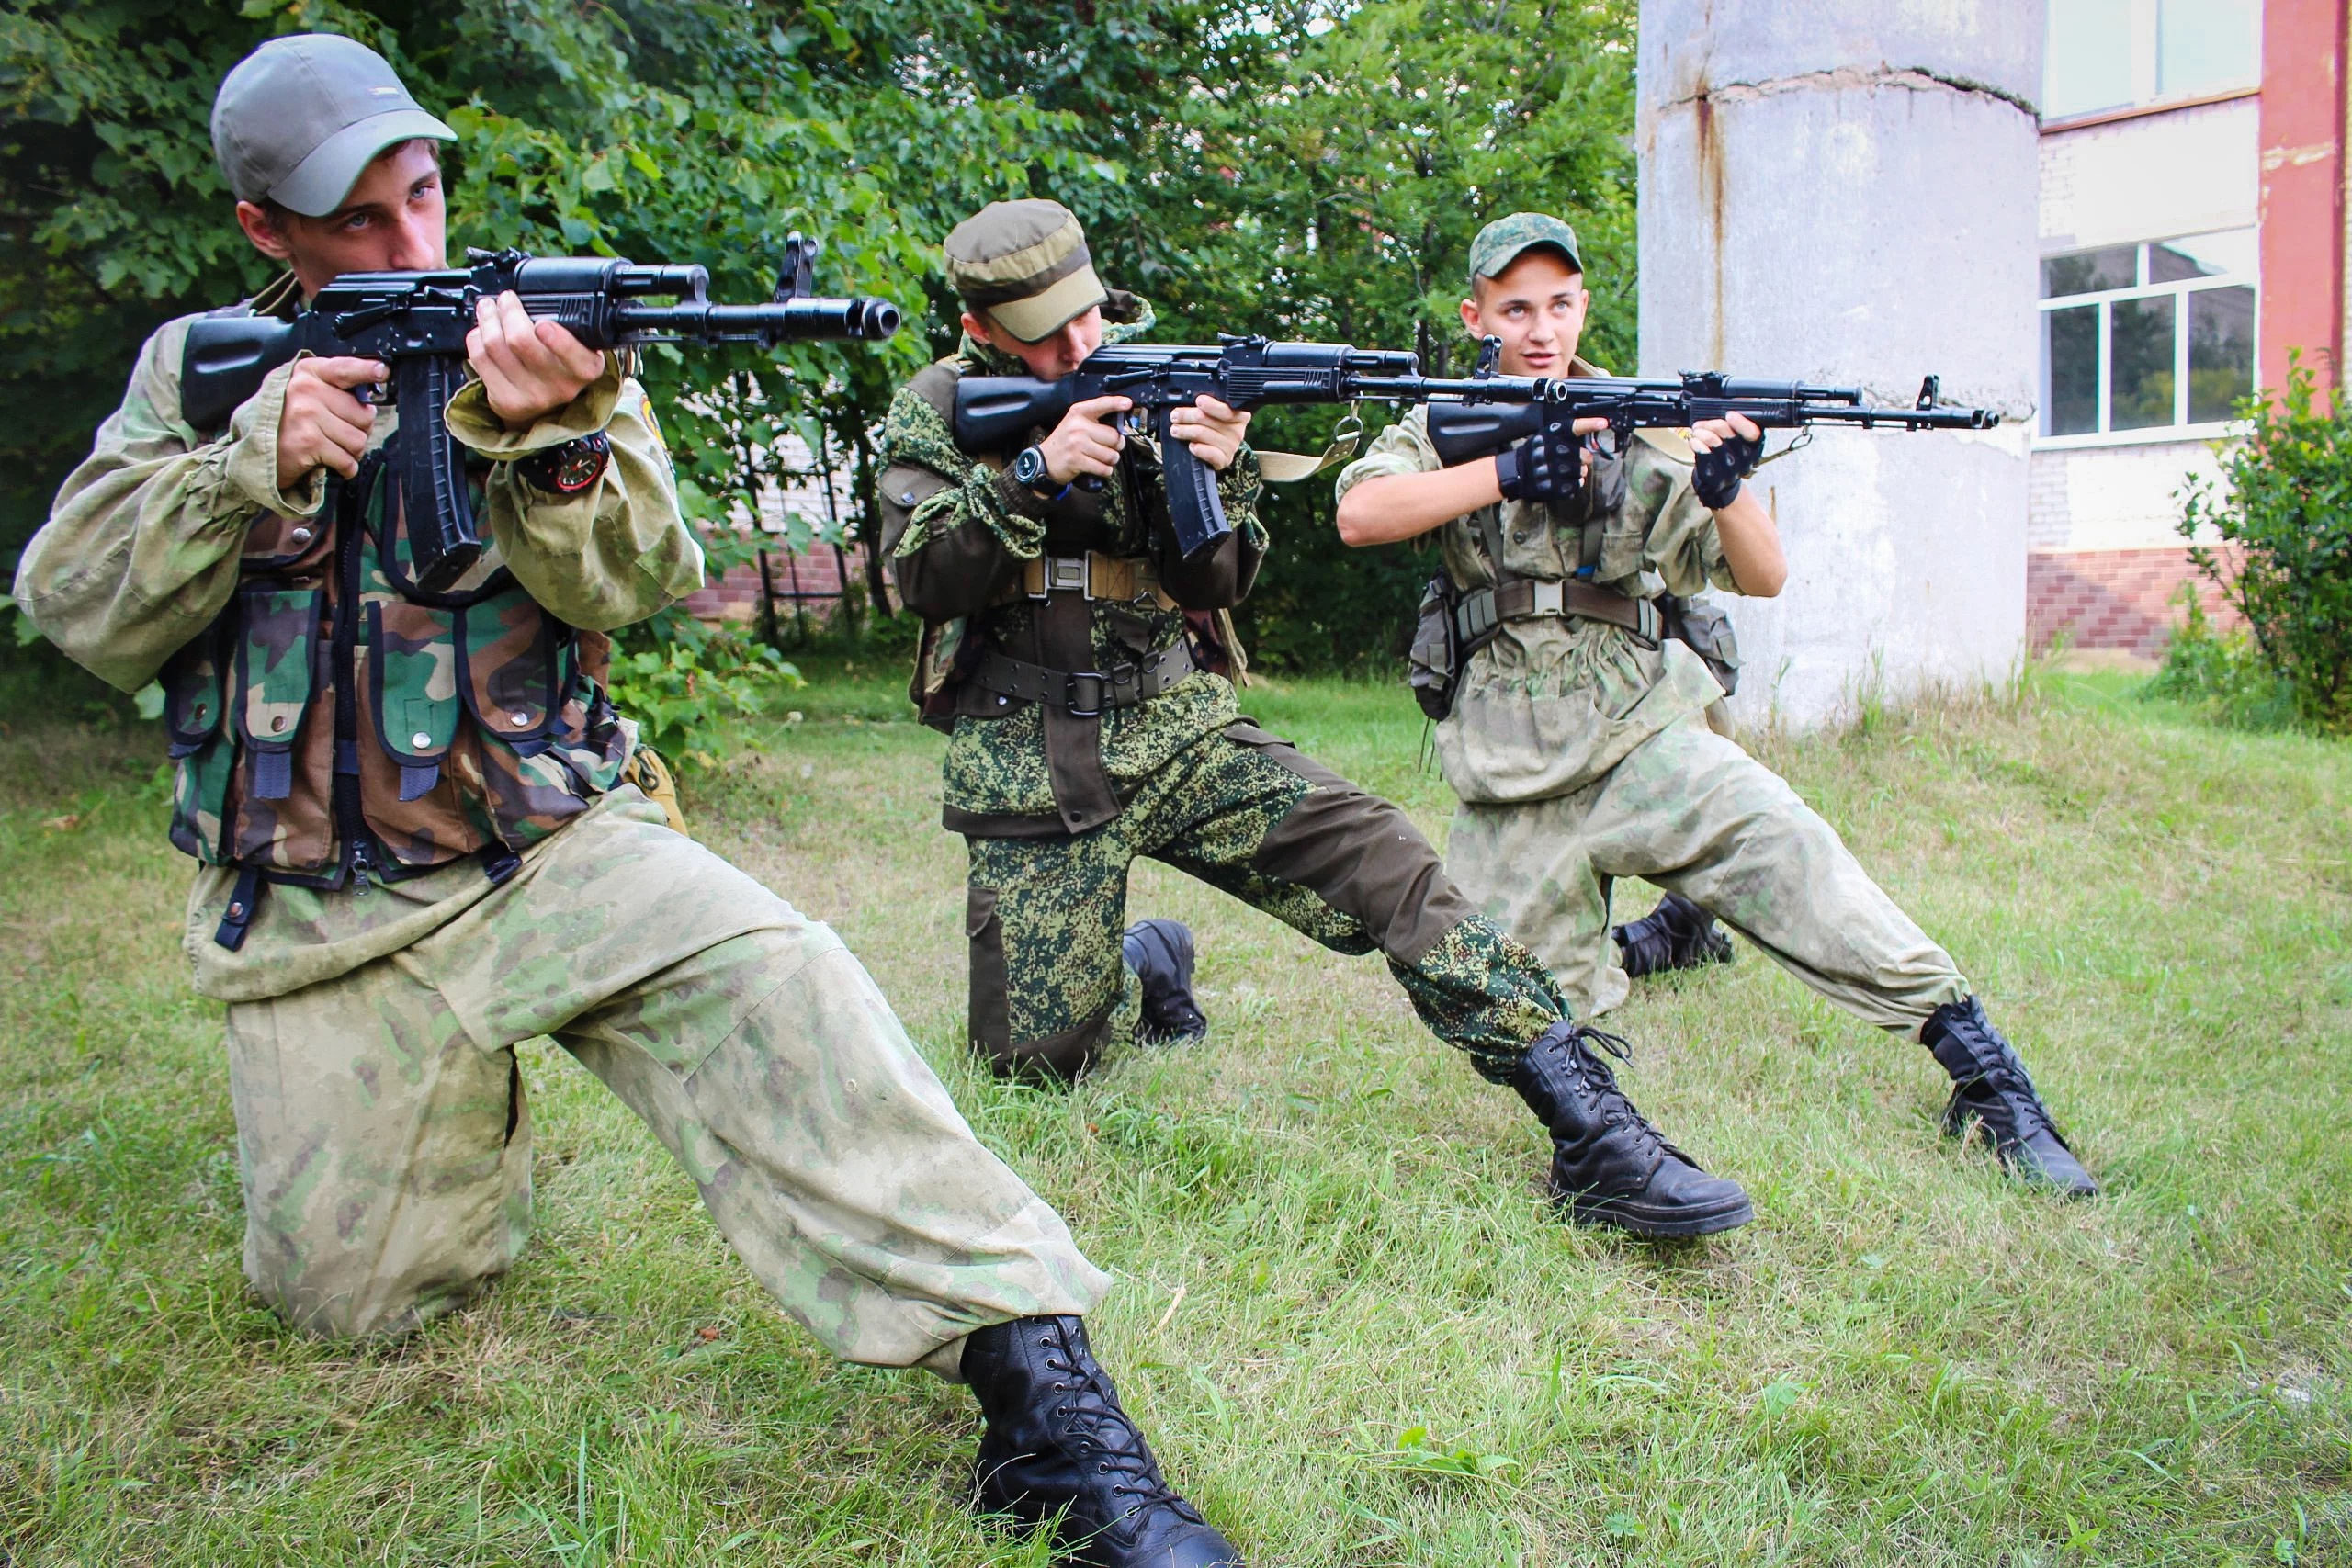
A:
385,1141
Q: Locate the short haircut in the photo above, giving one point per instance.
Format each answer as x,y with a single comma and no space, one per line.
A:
278,214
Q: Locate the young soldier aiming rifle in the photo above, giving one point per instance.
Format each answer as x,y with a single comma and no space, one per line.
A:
1580,747
1089,727
382,946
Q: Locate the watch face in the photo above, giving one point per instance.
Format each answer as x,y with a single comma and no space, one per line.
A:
1029,467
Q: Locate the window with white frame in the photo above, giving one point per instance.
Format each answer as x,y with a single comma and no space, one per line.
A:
2157,336
2110,54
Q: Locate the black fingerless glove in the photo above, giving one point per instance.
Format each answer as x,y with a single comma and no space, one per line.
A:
1715,477
1535,469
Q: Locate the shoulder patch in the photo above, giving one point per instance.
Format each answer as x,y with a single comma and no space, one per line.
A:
1675,444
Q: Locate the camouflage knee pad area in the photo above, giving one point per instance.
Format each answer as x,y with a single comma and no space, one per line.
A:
1244,812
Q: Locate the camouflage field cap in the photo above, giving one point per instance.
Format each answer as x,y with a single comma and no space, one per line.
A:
1505,240
299,119
1025,265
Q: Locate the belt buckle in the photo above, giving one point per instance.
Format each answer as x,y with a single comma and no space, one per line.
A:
1070,696
1067,574
1650,627
1551,597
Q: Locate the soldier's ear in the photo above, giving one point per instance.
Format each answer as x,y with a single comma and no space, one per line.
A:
979,329
1470,318
261,228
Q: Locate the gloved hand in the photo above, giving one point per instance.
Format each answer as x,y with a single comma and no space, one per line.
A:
1716,475
1538,470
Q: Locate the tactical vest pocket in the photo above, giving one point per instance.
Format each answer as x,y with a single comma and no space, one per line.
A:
203,757
412,679
508,670
276,651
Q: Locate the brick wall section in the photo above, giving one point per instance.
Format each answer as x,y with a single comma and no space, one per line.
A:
2111,599
736,597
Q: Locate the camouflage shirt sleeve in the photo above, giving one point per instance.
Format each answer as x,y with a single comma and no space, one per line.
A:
914,435
141,547
1403,448
611,554
1683,545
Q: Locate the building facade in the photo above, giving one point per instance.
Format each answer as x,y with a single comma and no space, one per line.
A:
2193,230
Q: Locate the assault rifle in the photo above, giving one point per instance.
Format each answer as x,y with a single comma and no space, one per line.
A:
1470,417
1479,415
995,413
417,321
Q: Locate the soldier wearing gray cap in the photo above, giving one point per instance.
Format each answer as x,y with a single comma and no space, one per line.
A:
1070,650
1581,744
423,836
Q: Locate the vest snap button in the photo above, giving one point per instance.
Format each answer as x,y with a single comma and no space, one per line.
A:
301,535
420,740
518,719
279,723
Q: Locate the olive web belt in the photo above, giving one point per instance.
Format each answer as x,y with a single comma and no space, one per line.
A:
1526,599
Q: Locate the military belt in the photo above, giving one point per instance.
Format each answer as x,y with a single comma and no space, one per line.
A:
1094,575
1083,693
1527,599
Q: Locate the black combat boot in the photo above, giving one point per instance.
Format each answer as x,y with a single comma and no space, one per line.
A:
1990,1085
1677,934
1609,1164
1058,1443
1160,953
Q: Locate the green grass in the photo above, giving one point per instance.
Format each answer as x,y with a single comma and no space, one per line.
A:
1344,1314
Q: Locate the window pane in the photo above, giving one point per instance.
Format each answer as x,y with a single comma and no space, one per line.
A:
2228,254
2204,45
2070,370
2221,352
2140,364
2118,266
2088,62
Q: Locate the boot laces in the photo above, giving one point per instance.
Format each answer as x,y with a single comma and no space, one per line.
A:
2001,1078
1097,1426
1593,1076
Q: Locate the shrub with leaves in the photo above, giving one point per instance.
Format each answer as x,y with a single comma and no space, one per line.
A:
2285,504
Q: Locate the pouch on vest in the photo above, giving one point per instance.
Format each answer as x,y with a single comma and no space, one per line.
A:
1433,665
1706,629
278,632
196,703
412,673
508,670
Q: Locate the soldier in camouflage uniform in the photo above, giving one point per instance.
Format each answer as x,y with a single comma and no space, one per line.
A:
417,848
1581,745
1068,651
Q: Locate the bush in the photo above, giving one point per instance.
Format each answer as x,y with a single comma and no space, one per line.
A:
2287,504
2221,672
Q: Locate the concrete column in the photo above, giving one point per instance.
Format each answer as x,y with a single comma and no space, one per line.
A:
1843,191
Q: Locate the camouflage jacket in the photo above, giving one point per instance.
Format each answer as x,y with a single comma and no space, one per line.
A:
331,723
1551,704
959,531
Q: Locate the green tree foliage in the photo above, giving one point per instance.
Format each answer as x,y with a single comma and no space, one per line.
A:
1313,169
2285,503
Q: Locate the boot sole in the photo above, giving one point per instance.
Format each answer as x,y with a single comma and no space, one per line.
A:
1664,1225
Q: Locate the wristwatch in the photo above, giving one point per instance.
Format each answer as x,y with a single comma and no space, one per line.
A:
571,467
1029,469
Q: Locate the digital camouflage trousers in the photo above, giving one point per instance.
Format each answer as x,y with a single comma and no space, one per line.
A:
1245,812
1690,811
385,1141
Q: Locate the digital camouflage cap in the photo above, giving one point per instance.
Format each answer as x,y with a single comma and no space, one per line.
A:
1024,265
1505,240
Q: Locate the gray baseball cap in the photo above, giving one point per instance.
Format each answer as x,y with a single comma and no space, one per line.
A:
299,118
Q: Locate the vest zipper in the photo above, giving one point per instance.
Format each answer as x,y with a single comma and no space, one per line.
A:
351,826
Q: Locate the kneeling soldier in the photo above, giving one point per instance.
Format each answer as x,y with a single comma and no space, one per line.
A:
1580,745
384,935
1088,729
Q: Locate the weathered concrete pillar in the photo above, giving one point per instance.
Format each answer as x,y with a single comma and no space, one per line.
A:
1844,191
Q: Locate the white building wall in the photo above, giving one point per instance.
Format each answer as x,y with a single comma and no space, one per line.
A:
2151,176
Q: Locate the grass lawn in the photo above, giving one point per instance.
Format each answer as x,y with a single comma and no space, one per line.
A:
1345,1316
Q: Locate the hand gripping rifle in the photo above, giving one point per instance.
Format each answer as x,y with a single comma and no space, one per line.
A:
996,413
417,321
1480,414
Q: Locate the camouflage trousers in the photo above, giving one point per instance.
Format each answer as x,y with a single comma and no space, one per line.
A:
1690,811
1244,812
386,1146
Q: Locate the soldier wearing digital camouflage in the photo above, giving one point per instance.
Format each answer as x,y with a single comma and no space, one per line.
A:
1585,741
1074,657
422,839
